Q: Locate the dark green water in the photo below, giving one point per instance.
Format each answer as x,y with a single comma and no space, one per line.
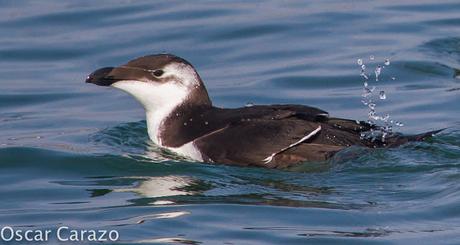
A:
78,155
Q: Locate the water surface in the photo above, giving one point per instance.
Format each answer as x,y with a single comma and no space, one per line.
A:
79,155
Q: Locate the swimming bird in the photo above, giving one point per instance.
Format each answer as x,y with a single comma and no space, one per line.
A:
180,117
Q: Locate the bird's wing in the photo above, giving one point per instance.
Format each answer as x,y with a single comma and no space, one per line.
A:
265,142
283,135
276,136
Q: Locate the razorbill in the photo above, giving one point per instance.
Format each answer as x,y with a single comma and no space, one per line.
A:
181,118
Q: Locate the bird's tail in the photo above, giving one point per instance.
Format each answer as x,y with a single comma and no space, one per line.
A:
398,140
392,140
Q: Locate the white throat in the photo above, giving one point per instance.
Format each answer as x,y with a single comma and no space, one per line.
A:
160,99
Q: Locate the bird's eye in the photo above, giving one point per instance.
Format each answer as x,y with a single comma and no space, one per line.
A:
158,73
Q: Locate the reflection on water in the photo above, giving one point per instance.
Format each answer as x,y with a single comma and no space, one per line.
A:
163,186
328,233
176,240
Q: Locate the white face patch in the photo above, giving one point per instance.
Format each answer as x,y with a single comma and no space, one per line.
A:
160,99
185,74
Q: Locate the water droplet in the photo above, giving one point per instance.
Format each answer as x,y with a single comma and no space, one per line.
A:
378,70
365,84
399,124
393,78
206,123
360,61
387,62
191,119
371,57
177,114
249,104
384,134
382,95
366,94
185,124
363,67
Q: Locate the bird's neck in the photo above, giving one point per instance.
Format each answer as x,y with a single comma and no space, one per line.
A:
171,125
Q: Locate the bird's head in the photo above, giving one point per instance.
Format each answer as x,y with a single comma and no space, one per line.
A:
158,82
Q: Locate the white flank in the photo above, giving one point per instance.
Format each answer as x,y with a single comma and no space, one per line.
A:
188,150
270,158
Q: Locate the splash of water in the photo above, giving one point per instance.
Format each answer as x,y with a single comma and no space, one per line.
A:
384,124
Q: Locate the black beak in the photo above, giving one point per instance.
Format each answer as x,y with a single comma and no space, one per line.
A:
109,75
101,77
